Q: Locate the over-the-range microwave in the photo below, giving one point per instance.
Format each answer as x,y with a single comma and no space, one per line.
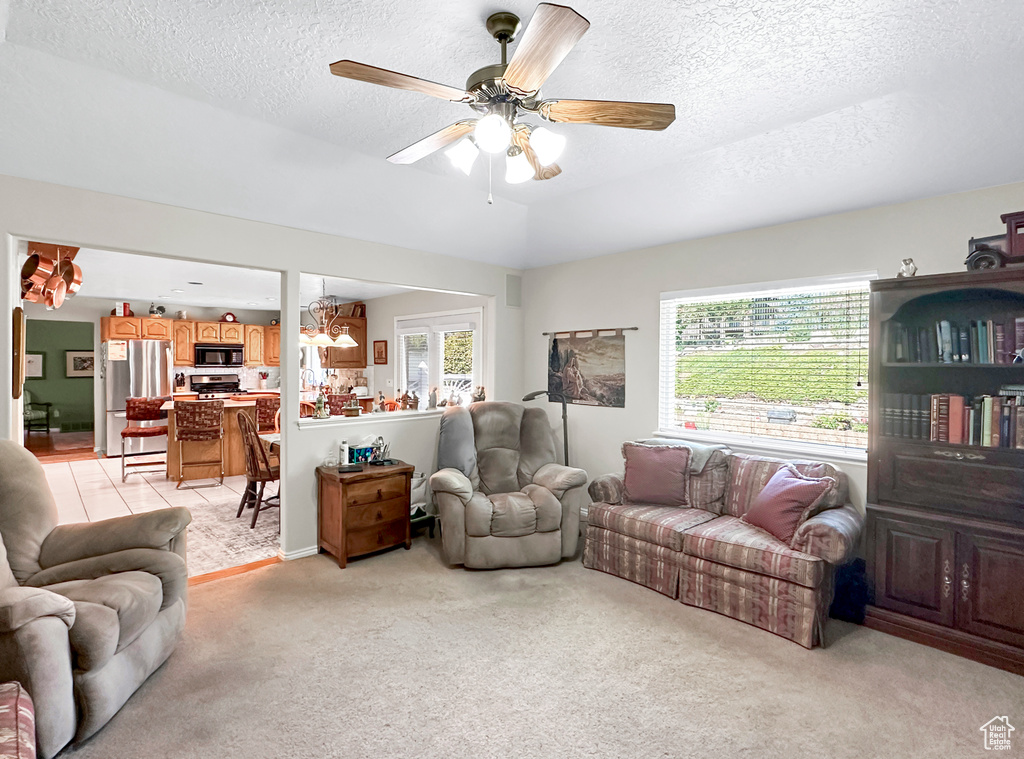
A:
220,355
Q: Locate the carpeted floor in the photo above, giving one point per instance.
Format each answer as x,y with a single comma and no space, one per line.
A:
398,655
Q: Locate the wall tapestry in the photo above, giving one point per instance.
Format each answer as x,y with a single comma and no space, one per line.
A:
589,366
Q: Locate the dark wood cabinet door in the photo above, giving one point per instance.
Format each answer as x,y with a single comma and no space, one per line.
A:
913,567
990,572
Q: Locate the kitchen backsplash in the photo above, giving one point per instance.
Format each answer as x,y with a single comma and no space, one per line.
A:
248,376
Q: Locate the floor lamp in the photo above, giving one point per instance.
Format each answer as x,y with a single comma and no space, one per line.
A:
565,420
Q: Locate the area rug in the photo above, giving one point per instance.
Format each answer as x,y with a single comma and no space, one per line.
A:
399,655
217,540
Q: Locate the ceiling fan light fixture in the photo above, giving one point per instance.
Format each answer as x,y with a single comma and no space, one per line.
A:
517,167
463,155
493,133
547,145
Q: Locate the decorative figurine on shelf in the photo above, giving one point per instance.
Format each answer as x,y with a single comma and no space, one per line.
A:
454,399
404,399
479,394
380,400
907,269
414,401
432,398
321,411
997,251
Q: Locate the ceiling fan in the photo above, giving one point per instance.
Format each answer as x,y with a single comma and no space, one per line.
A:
506,91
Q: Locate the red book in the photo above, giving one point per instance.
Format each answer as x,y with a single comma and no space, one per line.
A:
956,418
942,432
997,415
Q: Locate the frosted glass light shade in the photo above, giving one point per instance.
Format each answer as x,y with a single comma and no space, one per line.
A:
493,133
517,169
463,155
547,145
322,339
345,340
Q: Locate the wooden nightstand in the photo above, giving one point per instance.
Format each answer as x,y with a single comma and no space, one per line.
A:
363,512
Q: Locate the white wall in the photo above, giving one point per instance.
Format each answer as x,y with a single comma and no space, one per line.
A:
52,213
623,290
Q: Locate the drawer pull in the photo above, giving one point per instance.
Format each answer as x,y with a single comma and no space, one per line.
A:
380,538
965,585
947,581
380,496
959,455
380,515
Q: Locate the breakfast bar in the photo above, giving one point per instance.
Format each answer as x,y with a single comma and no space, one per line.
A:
234,453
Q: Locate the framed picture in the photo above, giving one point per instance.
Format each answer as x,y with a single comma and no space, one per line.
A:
380,351
80,363
35,365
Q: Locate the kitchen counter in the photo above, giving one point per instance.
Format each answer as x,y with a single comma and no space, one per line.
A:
228,403
234,452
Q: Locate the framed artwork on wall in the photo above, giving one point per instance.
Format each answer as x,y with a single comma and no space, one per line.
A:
35,365
380,351
80,363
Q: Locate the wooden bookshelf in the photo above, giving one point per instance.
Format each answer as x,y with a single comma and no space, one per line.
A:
945,529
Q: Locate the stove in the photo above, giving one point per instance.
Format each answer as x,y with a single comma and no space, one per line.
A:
213,386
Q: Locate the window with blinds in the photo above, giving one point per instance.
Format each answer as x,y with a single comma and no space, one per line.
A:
440,351
786,363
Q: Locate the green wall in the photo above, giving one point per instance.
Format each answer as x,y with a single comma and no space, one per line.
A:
72,397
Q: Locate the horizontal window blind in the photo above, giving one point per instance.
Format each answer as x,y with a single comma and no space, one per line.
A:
787,363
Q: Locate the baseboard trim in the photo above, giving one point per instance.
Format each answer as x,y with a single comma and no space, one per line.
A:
220,574
298,554
990,652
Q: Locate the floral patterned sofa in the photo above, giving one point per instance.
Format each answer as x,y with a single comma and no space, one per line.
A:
704,554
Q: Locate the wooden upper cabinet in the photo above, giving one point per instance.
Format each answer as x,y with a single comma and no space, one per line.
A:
272,346
184,336
253,344
120,328
156,329
231,332
208,332
350,358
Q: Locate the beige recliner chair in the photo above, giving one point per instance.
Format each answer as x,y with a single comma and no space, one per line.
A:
502,499
87,611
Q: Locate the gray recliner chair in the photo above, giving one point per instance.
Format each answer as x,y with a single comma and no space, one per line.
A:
502,499
87,611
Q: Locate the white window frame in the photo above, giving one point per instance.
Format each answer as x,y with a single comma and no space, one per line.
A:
666,373
435,324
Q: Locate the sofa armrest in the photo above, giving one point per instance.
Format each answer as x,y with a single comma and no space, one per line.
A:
452,481
608,488
831,535
152,529
558,479
166,565
19,606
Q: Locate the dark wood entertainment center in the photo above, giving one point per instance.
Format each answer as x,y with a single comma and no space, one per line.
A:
945,520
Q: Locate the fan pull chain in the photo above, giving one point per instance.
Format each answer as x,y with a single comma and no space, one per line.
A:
490,197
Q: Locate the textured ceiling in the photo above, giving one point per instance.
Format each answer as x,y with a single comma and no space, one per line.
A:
788,108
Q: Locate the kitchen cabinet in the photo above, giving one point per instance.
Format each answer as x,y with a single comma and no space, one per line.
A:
183,333
349,358
253,344
231,332
120,328
272,346
156,329
208,332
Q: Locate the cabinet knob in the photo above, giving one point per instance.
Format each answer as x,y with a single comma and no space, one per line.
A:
965,584
380,514
379,494
380,538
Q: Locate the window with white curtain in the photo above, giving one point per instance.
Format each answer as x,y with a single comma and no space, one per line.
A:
440,350
784,362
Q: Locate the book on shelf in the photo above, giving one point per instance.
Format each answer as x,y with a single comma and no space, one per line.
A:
990,421
950,342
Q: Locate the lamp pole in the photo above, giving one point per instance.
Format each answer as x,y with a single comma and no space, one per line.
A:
565,417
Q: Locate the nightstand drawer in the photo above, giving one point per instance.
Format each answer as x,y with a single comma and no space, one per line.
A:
376,538
376,490
371,514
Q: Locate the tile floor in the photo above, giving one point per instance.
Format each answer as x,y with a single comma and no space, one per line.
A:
91,490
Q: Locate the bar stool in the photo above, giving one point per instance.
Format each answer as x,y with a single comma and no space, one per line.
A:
259,470
198,422
142,410
266,408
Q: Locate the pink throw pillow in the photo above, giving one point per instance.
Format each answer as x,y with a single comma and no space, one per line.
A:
658,474
787,501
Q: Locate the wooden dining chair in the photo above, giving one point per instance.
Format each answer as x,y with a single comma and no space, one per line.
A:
259,470
266,408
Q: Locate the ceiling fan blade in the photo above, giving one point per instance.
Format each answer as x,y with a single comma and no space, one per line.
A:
385,78
521,137
553,31
611,113
434,142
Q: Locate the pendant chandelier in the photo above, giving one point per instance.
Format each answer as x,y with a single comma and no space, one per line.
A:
326,330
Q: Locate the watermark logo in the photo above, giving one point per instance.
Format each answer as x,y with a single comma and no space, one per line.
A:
997,734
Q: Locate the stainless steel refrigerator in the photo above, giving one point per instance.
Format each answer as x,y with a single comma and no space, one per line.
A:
145,370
